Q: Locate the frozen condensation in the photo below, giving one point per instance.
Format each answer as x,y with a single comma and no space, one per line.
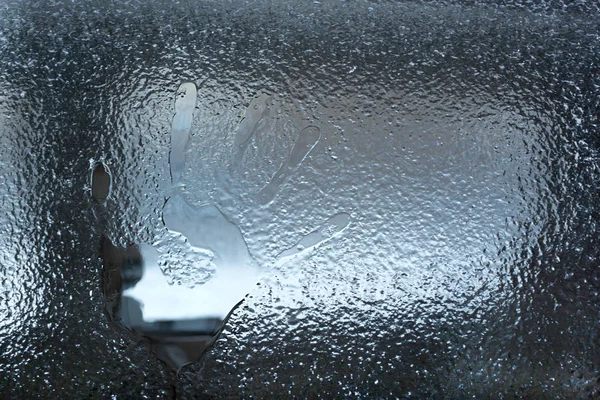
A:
169,154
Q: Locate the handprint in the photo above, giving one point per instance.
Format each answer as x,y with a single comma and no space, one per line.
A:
181,322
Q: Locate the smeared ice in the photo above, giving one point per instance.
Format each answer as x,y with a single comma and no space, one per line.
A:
308,139
253,122
332,227
255,115
207,229
180,128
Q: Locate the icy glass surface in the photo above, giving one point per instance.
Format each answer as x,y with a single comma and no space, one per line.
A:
406,196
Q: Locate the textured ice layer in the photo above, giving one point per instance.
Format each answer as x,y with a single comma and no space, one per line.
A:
461,138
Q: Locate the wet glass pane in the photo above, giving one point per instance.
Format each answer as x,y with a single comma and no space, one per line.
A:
299,199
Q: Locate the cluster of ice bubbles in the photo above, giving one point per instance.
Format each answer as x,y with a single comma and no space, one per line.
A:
179,292
182,263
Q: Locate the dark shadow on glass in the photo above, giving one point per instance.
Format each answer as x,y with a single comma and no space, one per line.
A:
100,183
176,341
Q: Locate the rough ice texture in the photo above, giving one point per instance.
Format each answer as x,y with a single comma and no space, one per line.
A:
461,137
